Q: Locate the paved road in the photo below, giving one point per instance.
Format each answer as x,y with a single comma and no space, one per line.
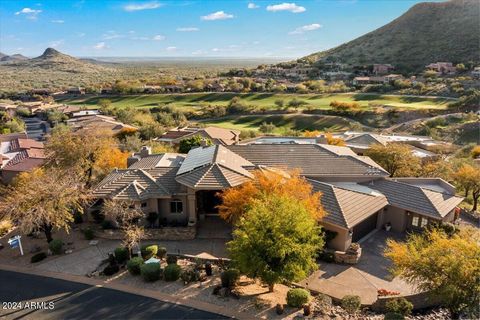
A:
73,300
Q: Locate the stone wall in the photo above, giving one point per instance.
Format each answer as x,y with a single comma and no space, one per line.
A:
167,233
419,300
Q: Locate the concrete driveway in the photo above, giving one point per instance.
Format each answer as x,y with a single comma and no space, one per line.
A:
362,279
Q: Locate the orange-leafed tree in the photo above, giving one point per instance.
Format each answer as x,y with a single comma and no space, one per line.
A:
111,158
311,134
236,201
334,141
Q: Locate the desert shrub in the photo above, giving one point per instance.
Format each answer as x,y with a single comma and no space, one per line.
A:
172,272
296,298
149,251
111,269
121,254
393,316
399,305
150,271
5,226
161,252
229,278
38,257
56,246
326,256
152,218
134,264
189,275
351,303
89,233
172,259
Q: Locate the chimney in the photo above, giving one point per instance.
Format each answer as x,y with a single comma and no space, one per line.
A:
132,159
321,139
145,151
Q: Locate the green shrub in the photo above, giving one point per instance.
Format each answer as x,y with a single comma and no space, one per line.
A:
172,272
172,259
150,271
38,257
399,305
134,264
393,316
121,254
56,246
89,233
107,224
327,256
296,298
229,278
351,303
149,251
161,252
77,217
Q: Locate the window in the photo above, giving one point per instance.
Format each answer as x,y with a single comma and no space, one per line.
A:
415,221
424,222
176,206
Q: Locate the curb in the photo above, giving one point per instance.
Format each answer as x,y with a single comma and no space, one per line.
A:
200,305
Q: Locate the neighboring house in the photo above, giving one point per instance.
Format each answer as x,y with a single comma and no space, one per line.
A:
216,135
442,67
97,122
19,155
363,81
476,73
76,91
380,69
356,193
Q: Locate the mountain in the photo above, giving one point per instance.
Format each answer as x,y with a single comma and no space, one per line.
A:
52,59
427,32
2,55
13,57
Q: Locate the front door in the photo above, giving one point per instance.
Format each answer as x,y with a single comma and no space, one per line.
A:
207,201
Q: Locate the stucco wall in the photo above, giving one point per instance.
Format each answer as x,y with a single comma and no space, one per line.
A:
164,209
397,217
342,241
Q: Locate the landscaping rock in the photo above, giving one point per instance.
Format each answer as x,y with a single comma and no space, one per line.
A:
93,242
68,251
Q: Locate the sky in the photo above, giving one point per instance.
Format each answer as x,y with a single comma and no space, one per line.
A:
215,28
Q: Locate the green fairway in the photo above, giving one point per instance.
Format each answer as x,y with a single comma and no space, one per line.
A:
284,122
260,100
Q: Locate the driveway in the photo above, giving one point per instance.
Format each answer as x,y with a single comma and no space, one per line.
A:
362,279
72,300
86,260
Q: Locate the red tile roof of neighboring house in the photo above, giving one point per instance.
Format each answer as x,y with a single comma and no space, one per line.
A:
175,134
25,165
19,144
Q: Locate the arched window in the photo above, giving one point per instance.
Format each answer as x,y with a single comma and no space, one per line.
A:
176,206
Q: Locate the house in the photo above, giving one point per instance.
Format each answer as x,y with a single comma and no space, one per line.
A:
97,122
476,73
363,81
216,135
19,155
76,91
356,193
392,77
442,67
380,69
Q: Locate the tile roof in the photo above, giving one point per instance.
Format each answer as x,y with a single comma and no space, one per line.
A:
139,184
415,198
347,207
159,160
312,159
213,167
367,139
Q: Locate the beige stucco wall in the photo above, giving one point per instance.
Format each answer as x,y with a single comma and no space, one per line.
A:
449,217
342,241
397,217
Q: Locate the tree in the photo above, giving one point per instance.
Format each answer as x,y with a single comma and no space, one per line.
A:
331,140
43,199
82,152
396,158
267,127
236,201
446,266
296,103
467,177
280,103
126,216
187,144
276,240
104,103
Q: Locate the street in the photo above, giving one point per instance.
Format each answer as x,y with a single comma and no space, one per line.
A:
26,296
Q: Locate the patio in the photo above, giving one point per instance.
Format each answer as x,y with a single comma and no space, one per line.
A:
362,279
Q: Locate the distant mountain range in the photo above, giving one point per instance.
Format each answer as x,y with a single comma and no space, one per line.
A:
53,59
427,32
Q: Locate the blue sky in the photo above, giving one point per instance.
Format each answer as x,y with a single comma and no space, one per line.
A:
232,28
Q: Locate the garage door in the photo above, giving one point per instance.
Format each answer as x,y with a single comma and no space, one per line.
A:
364,227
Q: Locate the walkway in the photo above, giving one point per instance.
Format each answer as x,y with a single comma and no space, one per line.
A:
362,279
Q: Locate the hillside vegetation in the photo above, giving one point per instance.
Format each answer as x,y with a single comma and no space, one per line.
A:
428,32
